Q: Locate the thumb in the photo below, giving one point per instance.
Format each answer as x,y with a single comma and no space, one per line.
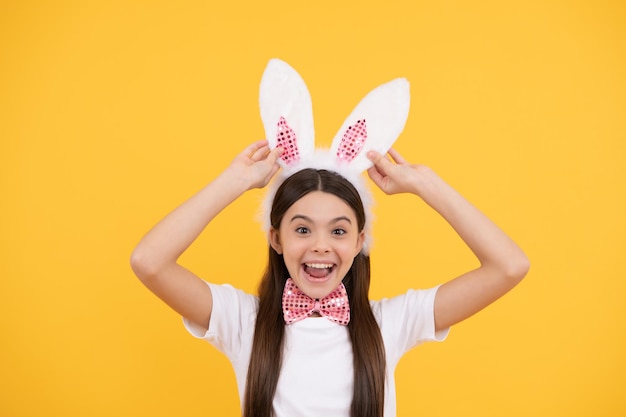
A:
379,160
273,156
373,156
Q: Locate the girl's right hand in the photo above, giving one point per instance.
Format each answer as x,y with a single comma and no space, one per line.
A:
155,259
256,165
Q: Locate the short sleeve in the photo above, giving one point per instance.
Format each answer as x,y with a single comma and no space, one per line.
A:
232,320
407,321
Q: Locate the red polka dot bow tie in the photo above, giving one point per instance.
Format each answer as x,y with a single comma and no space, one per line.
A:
297,305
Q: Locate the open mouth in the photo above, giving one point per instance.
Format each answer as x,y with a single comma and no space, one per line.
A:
318,270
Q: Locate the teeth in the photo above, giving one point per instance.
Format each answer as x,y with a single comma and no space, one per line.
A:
319,266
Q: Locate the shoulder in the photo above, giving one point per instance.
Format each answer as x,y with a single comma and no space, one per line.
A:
406,321
230,307
412,302
227,297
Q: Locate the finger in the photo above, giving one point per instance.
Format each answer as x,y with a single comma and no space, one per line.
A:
273,166
274,170
260,153
374,156
253,147
395,155
273,156
375,175
379,160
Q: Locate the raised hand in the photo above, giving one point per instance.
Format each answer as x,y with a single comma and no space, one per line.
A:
256,165
155,259
396,175
502,262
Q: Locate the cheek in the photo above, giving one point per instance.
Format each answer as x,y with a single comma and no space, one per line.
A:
348,252
293,245
293,252
355,245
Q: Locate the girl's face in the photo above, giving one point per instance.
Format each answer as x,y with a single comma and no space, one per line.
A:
318,238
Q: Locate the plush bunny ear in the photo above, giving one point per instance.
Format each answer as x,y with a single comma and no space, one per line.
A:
286,112
374,124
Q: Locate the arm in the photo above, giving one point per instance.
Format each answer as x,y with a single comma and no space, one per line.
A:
502,263
155,259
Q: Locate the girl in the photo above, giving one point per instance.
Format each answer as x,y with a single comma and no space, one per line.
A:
311,343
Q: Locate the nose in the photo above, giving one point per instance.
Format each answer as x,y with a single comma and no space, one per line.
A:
321,245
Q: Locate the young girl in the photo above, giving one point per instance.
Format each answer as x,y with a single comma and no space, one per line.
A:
312,343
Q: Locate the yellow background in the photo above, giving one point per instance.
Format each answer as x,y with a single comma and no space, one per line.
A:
113,112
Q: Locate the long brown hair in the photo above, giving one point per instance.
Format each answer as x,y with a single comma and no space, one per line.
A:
367,344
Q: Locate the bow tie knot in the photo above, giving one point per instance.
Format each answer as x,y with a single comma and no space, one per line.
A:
297,305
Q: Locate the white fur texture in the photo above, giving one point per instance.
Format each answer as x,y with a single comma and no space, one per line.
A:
283,93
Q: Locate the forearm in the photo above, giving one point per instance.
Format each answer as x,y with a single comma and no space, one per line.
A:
502,262
166,241
492,247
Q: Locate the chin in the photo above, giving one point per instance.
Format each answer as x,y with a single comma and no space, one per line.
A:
318,287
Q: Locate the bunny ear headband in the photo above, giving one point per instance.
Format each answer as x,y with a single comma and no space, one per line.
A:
287,116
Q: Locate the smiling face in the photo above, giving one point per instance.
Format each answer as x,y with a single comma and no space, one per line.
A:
318,237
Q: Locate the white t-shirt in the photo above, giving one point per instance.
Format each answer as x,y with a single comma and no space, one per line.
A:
316,378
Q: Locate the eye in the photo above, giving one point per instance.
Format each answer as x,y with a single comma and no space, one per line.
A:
302,230
339,232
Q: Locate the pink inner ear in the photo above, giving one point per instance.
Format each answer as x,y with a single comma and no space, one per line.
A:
286,139
352,142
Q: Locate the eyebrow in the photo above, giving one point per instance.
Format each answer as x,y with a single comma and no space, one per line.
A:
310,220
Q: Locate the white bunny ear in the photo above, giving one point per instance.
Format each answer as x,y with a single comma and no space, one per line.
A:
286,112
374,124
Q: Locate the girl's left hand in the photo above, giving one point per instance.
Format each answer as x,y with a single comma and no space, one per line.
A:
394,177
